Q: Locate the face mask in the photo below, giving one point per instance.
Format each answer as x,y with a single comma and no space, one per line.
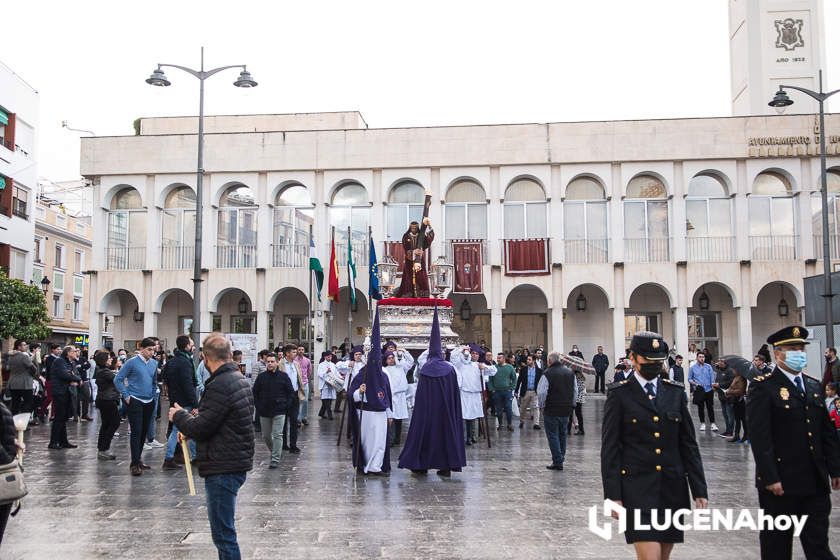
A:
796,360
650,371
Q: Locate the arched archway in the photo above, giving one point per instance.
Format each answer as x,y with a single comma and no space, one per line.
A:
649,309
471,318
177,319
337,325
233,312
713,320
587,320
524,318
288,318
123,323
778,304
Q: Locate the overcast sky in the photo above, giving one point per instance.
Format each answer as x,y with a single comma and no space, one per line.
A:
437,63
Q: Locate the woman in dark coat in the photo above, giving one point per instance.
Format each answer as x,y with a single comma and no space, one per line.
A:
62,377
107,401
8,450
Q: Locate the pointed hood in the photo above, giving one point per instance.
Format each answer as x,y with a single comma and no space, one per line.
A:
435,349
378,389
436,365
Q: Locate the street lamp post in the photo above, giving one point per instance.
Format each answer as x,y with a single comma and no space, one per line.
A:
158,78
780,102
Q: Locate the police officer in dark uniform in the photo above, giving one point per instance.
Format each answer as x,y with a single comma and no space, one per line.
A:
649,455
795,447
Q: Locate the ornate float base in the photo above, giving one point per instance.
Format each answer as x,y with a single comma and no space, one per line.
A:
408,321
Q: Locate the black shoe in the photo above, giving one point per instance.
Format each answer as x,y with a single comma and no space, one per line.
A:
555,467
420,471
444,472
273,465
54,446
68,446
537,427
169,465
305,422
135,470
285,448
468,442
520,425
294,449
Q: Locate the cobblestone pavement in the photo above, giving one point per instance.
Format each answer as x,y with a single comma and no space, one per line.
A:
504,505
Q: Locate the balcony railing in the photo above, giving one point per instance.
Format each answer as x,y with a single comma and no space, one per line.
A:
236,256
586,251
834,246
654,249
290,255
19,208
125,258
7,143
526,256
773,247
177,257
360,254
710,249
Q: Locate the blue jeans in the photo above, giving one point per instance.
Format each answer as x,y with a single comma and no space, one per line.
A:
555,431
304,405
502,404
221,490
152,433
172,442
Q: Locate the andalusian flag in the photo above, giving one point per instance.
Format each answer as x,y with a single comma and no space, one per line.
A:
373,269
332,281
315,266
351,270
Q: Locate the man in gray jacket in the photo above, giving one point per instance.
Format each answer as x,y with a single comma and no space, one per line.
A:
22,373
557,394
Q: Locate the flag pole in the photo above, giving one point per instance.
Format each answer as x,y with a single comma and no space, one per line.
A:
309,330
351,294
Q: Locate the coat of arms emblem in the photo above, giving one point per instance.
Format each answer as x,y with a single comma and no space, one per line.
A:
789,34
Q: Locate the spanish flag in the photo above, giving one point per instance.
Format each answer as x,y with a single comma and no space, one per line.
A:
332,281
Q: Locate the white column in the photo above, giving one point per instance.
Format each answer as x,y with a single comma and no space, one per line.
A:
681,329
618,331
262,329
495,220
265,222
556,329
740,209
678,211
150,322
745,330
616,225
496,329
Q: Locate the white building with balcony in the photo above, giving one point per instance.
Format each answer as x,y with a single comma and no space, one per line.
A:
561,233
19,106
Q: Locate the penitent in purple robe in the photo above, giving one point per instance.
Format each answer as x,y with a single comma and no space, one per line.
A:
436,435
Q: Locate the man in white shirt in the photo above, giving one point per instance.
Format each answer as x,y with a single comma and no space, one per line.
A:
290,429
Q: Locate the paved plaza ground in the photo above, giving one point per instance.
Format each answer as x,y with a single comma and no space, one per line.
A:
504,505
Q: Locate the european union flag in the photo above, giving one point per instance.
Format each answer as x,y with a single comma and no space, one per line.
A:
373,284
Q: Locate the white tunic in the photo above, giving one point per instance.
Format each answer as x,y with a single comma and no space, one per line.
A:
373,433
327,390
398,376
344,368
469,380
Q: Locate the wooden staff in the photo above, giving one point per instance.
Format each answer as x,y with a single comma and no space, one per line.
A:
187,462
485,411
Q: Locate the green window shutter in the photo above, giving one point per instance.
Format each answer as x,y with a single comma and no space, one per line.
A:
4,118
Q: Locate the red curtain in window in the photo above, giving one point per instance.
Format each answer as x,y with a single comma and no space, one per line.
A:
526,256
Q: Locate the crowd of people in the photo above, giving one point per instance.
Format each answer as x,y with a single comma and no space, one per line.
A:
448,395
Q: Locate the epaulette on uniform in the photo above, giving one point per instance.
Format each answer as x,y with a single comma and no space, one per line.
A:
760,378
616,384
674,383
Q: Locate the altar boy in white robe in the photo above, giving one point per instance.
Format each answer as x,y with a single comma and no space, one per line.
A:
371,412
397,366
470,371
